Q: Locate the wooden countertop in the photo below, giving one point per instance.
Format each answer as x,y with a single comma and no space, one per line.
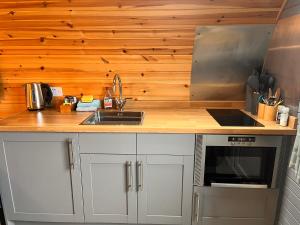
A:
163,120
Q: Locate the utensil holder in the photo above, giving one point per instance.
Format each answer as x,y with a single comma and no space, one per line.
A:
261,110
67,108
270,113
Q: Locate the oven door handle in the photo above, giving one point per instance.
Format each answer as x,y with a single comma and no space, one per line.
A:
229,185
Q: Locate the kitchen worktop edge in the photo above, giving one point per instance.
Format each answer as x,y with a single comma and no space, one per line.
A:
188,120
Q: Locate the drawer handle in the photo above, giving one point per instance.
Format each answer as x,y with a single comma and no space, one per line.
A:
230,185
140,175
196,207
71,154
129,176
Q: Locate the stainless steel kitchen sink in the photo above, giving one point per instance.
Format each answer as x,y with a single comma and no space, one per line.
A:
114,118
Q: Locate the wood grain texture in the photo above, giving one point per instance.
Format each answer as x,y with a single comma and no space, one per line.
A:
80,45
187,117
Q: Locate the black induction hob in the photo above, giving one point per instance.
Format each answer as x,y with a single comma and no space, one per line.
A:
233,117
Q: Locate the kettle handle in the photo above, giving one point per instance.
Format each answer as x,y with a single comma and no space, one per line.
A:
47,93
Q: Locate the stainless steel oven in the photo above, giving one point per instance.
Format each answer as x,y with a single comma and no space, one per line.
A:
240,161
235,179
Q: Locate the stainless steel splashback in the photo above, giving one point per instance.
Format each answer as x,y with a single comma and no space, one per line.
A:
224,57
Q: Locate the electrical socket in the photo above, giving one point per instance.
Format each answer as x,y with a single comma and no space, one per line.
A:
57,91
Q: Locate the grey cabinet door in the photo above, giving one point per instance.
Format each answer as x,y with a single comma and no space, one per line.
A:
38,180
165,185
107,195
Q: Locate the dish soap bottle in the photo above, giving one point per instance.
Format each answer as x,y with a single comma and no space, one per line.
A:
108,100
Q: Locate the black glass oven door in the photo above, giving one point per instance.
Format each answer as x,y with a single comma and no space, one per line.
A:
239,165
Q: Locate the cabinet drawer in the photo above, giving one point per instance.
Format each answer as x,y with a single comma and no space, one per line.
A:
234,203
166,144
109,143
232,221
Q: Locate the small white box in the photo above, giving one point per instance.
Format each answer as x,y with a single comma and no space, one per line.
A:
57,91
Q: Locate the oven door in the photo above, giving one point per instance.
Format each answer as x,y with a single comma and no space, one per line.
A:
239,166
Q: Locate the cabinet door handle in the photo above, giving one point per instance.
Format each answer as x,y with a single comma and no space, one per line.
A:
196,207
140,175
129,175
71,153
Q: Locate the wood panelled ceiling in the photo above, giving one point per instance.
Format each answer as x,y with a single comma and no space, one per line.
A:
80,44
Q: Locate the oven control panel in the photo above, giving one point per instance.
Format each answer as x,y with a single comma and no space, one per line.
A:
241,139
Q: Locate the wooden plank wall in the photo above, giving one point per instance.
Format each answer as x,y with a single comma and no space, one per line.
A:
80,44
